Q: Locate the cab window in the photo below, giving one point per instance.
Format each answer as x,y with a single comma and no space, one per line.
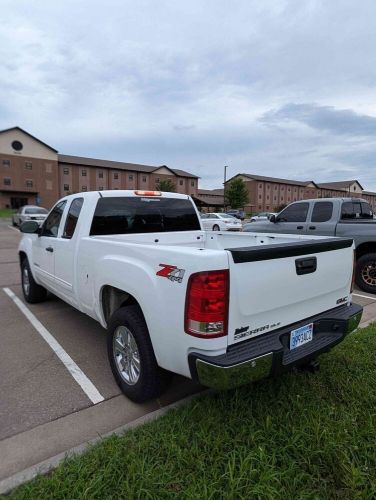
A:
72,217
51,226
322,211
356,210
297,212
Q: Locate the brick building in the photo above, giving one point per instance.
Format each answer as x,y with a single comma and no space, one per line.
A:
32,172
269,193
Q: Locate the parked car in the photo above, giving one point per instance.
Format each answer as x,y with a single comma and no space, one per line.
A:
239,214
221,308
29,212
349,217
220,222
261,216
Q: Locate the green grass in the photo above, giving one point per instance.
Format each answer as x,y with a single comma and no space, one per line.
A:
303,435
6,213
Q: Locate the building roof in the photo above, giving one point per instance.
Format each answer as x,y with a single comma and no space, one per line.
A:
275,179
210,192
339,185
209,201
118,165
372,193
32,136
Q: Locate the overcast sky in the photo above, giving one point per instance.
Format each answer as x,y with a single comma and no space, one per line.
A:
280,88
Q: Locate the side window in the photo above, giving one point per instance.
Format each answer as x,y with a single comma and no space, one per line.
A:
51,226
297,212
356,210
72,217
322,211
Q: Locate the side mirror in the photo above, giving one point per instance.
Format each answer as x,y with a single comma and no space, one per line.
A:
273,218
29,226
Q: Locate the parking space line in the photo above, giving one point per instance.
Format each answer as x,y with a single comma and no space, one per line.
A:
83,381
364,296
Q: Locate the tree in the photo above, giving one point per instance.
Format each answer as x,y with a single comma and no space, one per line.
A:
166,185
236,193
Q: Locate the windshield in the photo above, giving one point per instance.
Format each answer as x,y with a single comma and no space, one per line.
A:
35,211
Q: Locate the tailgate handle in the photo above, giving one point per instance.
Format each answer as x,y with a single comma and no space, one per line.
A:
306,265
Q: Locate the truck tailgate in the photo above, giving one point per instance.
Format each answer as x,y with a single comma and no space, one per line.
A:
272,286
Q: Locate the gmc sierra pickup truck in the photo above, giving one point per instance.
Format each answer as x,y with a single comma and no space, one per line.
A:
345,217
221,308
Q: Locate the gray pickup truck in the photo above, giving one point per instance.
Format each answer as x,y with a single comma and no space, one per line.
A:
349,217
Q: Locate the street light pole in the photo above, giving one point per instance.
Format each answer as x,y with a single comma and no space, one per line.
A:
224,188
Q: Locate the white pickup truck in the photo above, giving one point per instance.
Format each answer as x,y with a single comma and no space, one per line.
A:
221,308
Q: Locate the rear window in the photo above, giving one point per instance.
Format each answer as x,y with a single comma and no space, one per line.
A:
126,215
35,211
356,210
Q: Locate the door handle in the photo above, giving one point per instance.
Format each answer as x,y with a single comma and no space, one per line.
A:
312,227
299,227
49,249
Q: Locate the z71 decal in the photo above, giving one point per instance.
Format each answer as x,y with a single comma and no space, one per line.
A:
171,272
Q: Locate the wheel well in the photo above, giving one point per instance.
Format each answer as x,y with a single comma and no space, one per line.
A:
365,248
112,299
22,257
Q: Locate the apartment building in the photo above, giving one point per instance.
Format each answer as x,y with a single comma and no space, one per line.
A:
32,172
267,194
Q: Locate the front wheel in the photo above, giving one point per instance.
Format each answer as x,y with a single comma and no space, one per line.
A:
215,228
131,356
365,272
33,292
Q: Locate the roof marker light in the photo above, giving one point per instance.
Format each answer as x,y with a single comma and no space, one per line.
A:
148,193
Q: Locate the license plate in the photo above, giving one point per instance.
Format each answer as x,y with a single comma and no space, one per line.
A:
301,336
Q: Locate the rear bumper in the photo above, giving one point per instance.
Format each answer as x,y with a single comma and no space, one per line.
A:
269,354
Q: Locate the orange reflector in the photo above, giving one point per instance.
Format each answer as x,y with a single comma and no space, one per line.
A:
148,193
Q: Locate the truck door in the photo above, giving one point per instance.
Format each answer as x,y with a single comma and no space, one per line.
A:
44,247
293,219
65,251
323,221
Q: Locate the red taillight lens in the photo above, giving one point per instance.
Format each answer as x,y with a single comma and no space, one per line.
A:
353,274
206,308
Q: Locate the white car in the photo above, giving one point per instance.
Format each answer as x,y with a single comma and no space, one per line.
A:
221,308
29,212
261,216
220,222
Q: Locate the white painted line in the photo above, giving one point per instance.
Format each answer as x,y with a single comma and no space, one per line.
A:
82,380
14,228
364,296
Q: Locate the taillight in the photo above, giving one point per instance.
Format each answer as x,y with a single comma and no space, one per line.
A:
206,307
353,274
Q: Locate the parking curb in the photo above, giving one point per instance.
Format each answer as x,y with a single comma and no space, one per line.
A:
11,482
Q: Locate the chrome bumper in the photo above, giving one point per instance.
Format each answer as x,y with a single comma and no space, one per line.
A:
239,365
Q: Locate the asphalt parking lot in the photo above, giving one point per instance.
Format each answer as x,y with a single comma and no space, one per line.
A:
43,410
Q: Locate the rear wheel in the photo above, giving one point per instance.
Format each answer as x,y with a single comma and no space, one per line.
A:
215,227
365,273
33,292
131,356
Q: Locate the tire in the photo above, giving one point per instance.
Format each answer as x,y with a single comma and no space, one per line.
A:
32,292
140,379
13,223
365,272
215,227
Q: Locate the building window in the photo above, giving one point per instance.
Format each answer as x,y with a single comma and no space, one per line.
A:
260,186
275,188
6,163
29,183
275,198
17,145
282,188
66,187
66,171
260,207
48,184
144,178
157,180
130,177
100,175
7,181
193,183
28,165
260,196
181,182
116,176
84,188
268,187
83,173
48,168
100,188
